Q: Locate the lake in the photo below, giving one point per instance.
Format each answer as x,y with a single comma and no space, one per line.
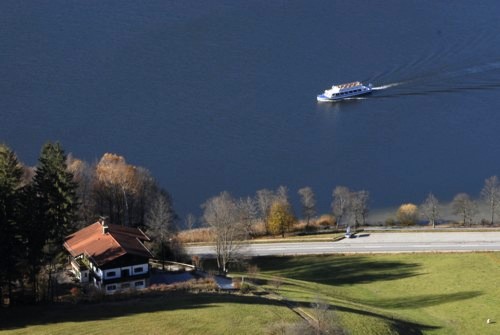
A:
221,95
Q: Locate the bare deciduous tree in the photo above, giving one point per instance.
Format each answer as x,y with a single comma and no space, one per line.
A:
190,221
464,206
359,207
430,209
82,176
308,203
160,223
221,214
248,211
264,199
282,194
491,195
341,202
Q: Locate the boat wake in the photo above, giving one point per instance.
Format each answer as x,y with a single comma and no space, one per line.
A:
383,87
444,80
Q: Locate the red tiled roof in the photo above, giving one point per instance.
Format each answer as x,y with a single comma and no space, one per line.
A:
105,247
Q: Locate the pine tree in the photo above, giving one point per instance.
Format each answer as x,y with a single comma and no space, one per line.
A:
33,234
10,182
56,191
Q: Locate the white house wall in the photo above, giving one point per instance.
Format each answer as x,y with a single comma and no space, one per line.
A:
131,285
116,273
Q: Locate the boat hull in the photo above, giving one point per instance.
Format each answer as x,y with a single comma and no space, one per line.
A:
324,98
344,91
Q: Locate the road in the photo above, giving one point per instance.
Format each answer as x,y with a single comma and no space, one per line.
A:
374,243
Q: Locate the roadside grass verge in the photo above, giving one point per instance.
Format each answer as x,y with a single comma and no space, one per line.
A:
398,293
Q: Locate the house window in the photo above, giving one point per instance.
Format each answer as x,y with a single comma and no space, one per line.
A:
111,274
111,287
138,269
139,283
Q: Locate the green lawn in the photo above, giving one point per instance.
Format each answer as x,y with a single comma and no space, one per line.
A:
170,314
371,294
405,293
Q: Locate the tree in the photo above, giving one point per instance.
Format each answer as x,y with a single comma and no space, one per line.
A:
247,209
221,214
341,203
308,203
265,199
34,235
54,186
116,181
359,207
282,194
190,221
160,223
407,214
56,193
280,218
82,176
464,206
430,209
491,195
10,245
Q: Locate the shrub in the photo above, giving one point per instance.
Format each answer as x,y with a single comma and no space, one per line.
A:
245,288
407,214
195,235
326,220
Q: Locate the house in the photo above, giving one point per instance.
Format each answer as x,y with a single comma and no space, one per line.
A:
110,257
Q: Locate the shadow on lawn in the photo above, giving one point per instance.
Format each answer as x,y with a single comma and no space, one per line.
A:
420,301
26,316
399,325
337,270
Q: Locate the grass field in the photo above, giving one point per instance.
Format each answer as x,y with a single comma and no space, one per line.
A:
403,293
172,314
371,294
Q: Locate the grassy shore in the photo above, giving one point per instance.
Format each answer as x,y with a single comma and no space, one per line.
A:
370,294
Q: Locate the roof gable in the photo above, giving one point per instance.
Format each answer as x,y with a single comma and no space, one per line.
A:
104,245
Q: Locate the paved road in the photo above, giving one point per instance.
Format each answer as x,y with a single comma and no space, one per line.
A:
375,243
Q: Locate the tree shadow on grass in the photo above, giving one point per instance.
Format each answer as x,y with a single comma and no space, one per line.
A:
17,317
399,325
420,301
337,270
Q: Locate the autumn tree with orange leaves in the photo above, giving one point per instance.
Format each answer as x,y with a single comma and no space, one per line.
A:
123,192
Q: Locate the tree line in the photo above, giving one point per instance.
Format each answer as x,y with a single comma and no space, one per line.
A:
234,220
41,205
463,206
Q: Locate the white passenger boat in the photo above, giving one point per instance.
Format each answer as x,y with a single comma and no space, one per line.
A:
344,91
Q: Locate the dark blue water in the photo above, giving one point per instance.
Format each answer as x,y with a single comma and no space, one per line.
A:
214,96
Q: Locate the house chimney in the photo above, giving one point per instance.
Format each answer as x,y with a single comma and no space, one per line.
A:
105,228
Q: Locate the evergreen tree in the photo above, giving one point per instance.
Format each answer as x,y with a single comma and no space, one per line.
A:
54,187
34,235
10,182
